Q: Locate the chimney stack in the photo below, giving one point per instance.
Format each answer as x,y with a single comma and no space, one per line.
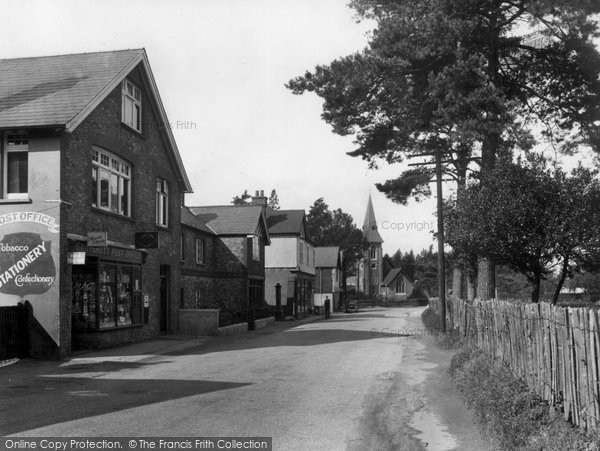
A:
259,198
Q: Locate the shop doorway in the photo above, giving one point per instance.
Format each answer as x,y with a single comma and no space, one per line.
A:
165,285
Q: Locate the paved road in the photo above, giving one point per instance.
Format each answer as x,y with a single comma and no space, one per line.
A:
366,380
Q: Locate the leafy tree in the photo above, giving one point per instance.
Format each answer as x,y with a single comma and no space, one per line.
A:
336,228
273,201
459,76
245,199
530,217
242,199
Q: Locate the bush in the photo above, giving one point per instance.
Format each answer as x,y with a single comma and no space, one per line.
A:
510,414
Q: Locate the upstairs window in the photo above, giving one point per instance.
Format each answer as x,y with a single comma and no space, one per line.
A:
131,109
15,163
162,202
111,183
200,245
256,248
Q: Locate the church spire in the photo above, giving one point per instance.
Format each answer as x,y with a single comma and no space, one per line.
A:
370,225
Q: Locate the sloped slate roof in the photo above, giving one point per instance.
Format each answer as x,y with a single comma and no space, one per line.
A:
62,90
327,257
391,276
284,221
189,219
52,90
230,219
370,231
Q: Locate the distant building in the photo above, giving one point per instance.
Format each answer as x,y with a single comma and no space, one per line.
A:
371,270
329,272
238,255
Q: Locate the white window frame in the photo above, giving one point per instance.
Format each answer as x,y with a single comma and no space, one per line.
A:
114,166
256,247
131,96
162,202
10,149
200,248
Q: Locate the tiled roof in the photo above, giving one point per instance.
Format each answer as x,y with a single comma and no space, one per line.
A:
230,219
52,90
284,221
327,257
62,90
393,274
189,219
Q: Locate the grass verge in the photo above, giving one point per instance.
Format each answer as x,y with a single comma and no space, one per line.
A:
508,413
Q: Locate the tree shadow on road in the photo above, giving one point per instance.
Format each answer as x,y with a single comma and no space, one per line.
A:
44,401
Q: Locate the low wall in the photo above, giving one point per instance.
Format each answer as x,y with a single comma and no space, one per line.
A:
198,322
264,322
234,329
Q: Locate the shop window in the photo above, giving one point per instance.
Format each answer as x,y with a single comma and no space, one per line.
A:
15,163
131,110
107,295
162,202
200,245
111,183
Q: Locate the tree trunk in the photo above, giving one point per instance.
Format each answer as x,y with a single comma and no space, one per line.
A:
486,279
561,281
535,293
458,289
471,282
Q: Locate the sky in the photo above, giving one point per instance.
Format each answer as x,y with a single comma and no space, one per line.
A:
221,67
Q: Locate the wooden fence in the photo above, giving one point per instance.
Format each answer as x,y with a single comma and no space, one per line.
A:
554,349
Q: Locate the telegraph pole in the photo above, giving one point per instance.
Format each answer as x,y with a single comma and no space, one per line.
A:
440,238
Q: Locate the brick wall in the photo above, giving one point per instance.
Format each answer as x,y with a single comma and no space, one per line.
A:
148,156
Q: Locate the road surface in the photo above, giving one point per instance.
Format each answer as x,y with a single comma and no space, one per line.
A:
370,380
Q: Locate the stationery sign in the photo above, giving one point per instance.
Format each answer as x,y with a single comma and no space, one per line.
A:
26,264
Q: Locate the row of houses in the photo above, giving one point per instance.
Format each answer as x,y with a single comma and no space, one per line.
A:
96,238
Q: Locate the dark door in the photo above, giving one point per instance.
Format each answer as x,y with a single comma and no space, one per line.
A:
164,297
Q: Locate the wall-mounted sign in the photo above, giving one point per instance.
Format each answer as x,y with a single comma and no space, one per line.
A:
97,239
146,240
26,264
146,300
76,258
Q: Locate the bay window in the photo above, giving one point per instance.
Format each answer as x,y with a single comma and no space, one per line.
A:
111,182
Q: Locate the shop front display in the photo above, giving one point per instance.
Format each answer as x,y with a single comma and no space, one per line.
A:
107,294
